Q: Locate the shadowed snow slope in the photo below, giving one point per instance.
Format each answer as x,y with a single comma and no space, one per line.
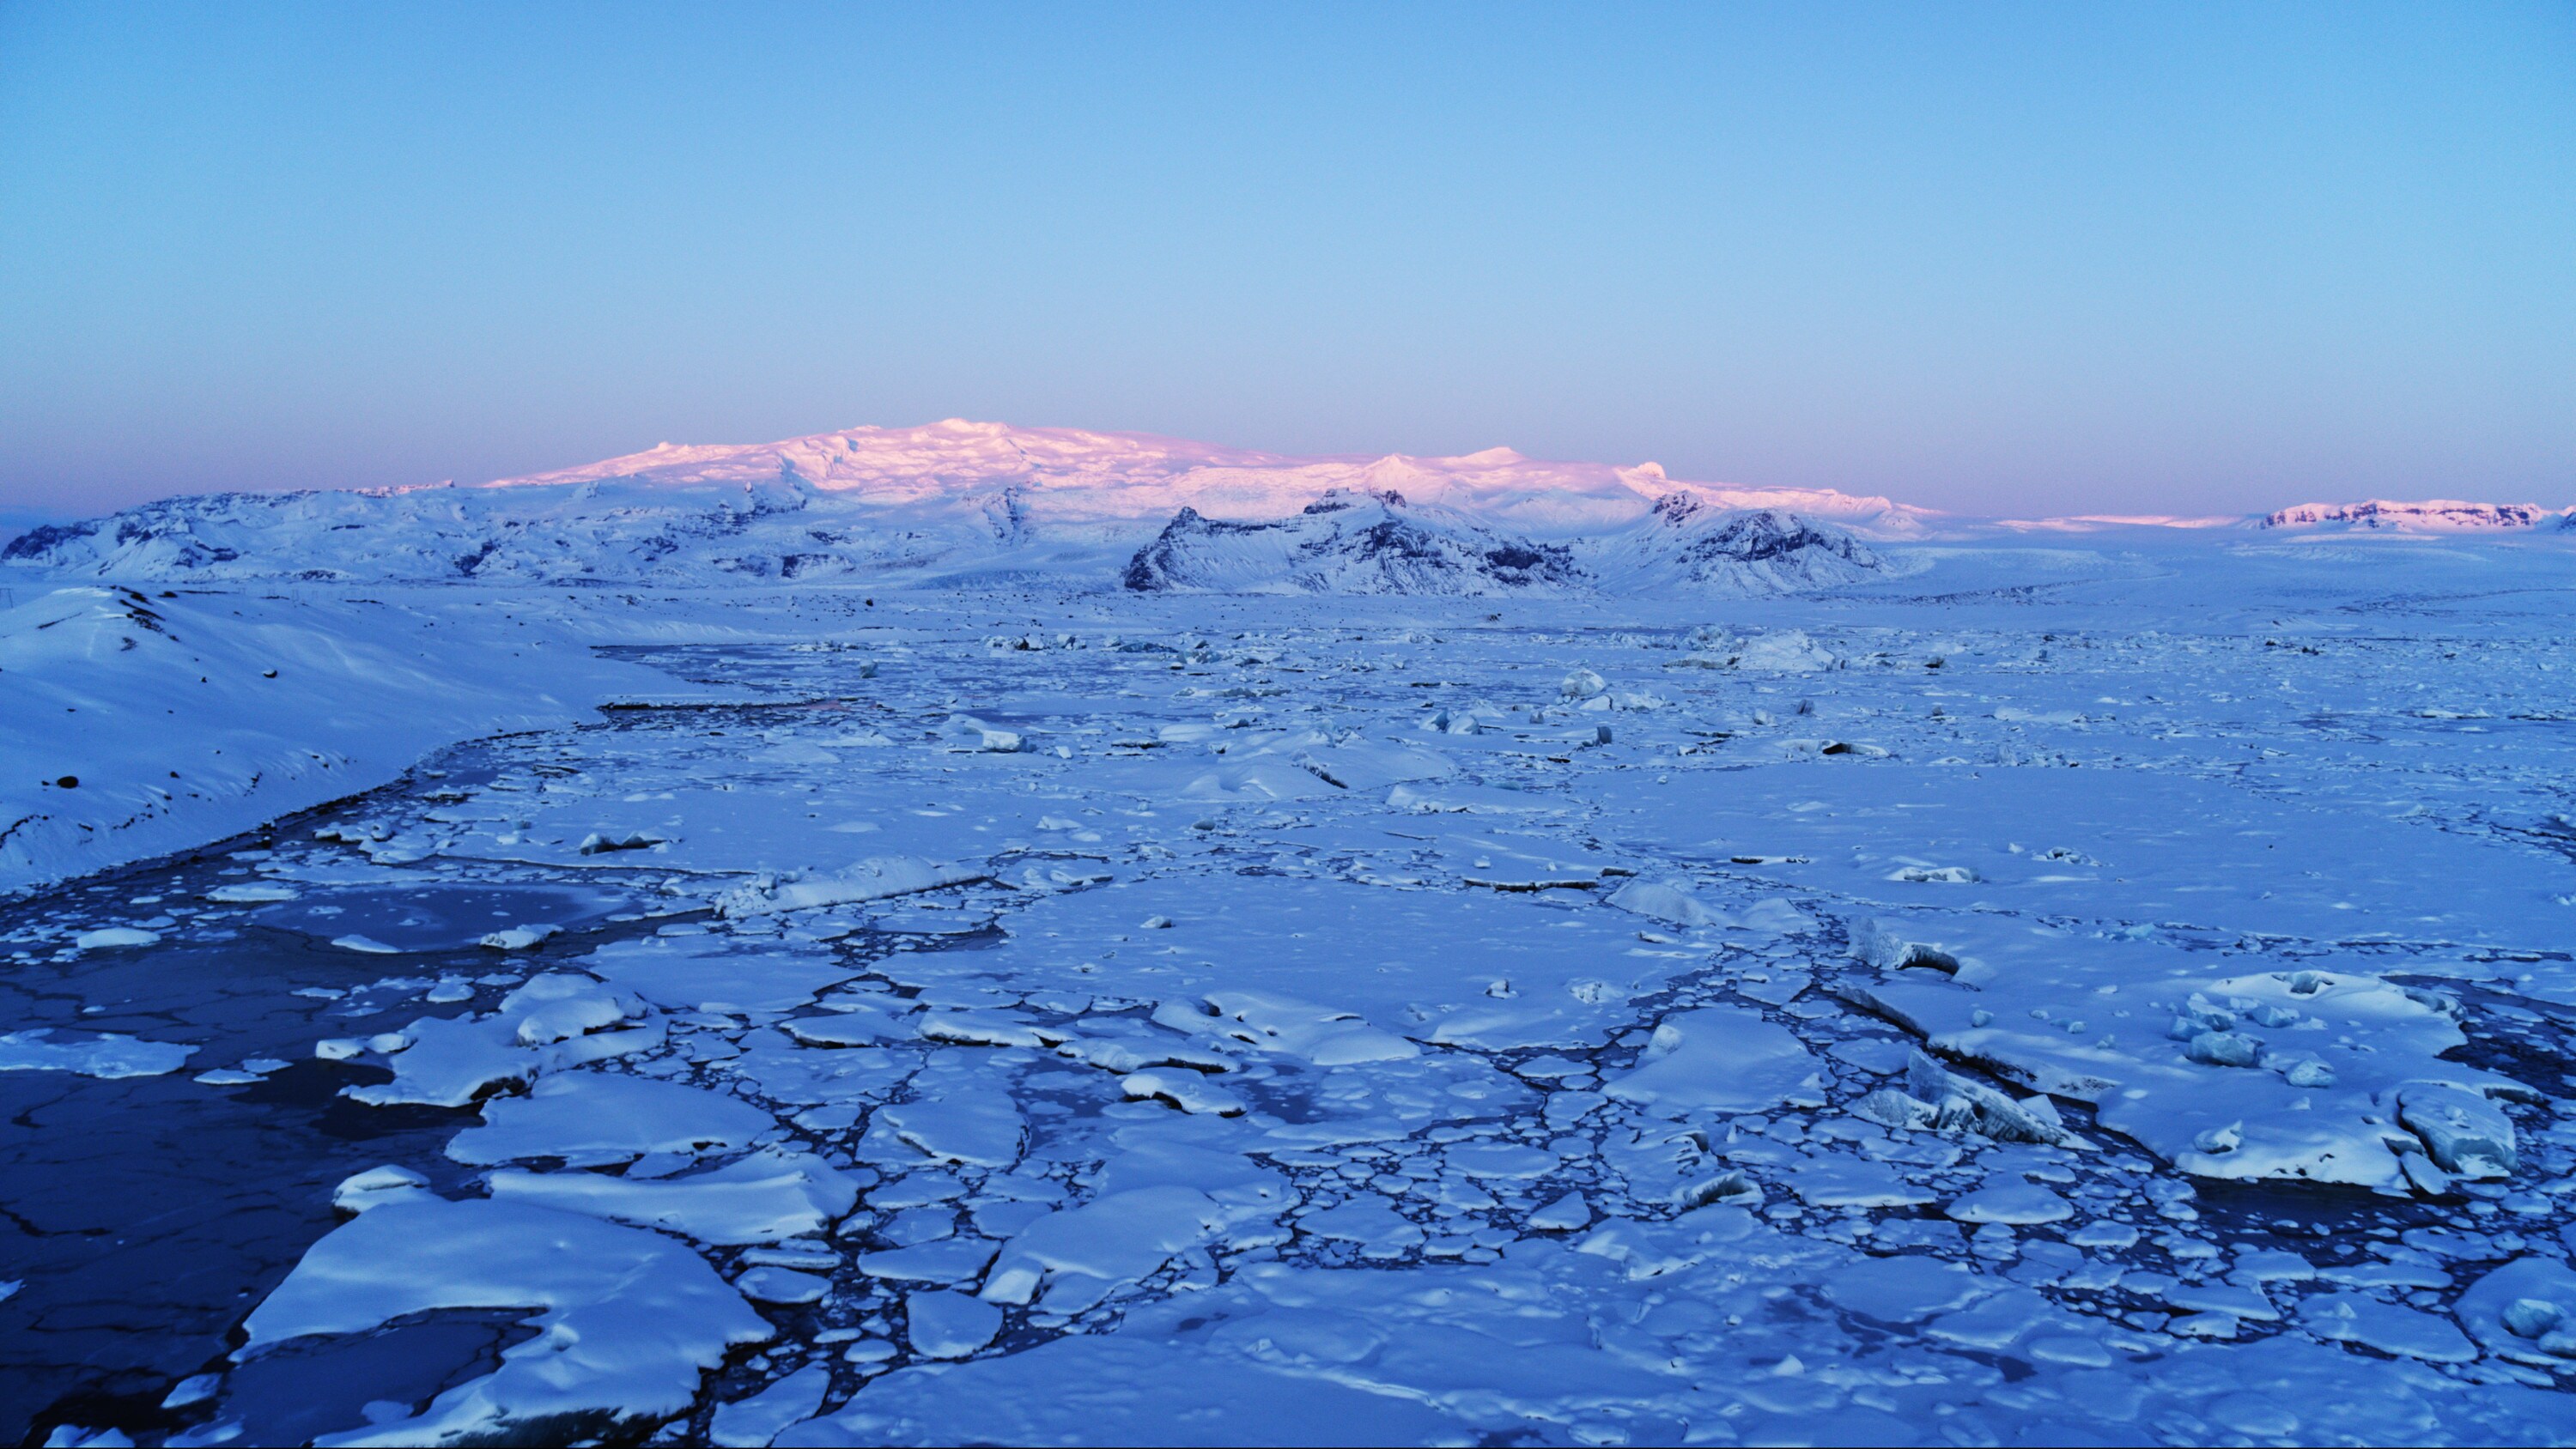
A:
138,725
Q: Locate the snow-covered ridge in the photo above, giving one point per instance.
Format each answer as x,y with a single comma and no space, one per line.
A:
2430,515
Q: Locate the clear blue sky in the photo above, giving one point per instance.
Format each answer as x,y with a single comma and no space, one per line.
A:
1982,256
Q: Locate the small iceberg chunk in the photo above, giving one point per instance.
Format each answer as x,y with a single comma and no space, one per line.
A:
110,1055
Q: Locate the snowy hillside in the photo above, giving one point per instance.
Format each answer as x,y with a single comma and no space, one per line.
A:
138,724
961,499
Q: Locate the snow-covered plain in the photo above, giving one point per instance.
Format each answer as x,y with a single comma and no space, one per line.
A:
1969,984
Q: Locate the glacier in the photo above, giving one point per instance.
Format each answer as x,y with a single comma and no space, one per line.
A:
979,934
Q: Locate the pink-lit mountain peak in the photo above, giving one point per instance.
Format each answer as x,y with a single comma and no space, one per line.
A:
1086,474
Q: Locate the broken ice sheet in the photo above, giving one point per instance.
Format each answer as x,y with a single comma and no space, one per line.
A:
588,1119
765,1197
1416,964
709,973
628,1319
2114,1023
1719,1059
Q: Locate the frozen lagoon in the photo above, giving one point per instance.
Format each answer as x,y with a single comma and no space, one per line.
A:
2128,1006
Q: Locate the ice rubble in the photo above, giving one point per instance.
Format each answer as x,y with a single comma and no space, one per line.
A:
1268,1065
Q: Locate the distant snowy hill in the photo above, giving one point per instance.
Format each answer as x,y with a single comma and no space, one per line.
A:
2430,515
956,500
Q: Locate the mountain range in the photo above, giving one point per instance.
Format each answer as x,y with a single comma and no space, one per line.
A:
962,502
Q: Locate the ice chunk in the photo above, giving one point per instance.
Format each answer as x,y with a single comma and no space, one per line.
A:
769,1283
2014,1201
965,732
2224,1049
1121,1389
1663,903
863,1026
751,1423
978,1126
872,879
561,1005
520,938
1853,1182
1886,948
451,1063
109,1055
1363,766
1568,1214
1115,1238
1378,1229
368,945
109,936
2463,1131
589,1120
1781,651
704,973
245,893
2236,1300
1902,1289
1190,1091
1719,1059
1135,1054
1322,1035
985,1028
945,1260
457,1061
627,1318
1454,798
1500,1160
2404,1332
1935,875
1775,915
763,1198
2524,1311
944,1323
1972,1106
378,1186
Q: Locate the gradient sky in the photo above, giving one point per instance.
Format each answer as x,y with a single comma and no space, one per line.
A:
1990,257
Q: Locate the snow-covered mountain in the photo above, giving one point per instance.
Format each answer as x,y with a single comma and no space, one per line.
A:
2430,515
1071,475
1348,543
958,499
1688,545
1379,543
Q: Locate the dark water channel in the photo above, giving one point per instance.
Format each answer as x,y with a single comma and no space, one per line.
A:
145,1216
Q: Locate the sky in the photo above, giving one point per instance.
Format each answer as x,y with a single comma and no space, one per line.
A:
1990,257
